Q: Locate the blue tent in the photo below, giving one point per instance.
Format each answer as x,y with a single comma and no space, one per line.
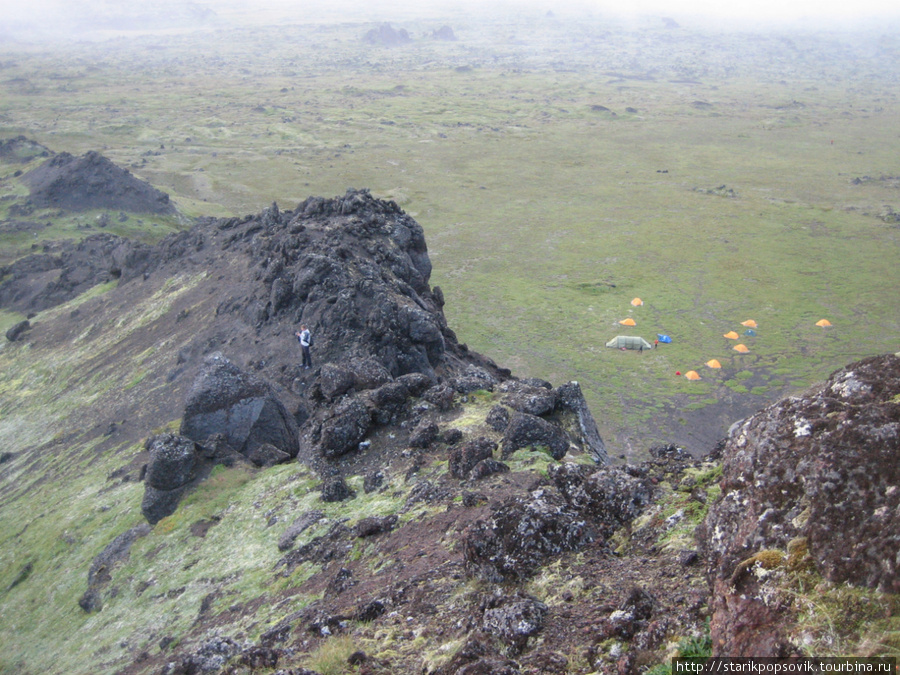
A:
663,338
750,332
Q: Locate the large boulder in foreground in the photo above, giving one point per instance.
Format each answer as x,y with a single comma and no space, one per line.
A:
817,473
226,400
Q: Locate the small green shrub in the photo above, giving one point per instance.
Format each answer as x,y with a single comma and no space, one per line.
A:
331,656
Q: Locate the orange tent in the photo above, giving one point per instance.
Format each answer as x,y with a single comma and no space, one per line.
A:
637,302
823,323
713,364
750,323
692,375
731,335
741,348
628,322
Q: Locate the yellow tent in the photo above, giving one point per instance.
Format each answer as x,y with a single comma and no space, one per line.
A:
750,323
741,348
628,322
713,364
823,323
637,302
692,375
731,335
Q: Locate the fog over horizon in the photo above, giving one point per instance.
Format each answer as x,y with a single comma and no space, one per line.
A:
25,21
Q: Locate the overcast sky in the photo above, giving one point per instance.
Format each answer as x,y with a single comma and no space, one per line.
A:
736,12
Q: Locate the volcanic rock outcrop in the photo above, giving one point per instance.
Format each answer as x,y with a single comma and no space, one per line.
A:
387,36
809,480
92,181
355,270
21,150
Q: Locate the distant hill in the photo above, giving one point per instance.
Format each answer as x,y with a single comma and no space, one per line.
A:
92,182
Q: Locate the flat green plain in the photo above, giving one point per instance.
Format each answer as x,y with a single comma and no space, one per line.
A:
560,168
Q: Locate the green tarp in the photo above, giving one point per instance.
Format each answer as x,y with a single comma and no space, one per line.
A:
629,342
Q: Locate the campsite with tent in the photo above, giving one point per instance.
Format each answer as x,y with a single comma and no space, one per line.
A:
633,342
737,364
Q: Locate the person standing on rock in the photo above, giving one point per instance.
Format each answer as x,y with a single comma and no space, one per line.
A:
305,338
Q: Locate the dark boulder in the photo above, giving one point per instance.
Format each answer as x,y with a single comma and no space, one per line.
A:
371,610
497,418
472,379
177,464
416,383
373,525
819,470
336,490
451,436
173,465
514,619
440,396
389,401
528,399
464,458
224,399
335,381
368,374
609,497
520,535
214,450
424,434
266,455
173,462
344,429
157,504
487,467
526,431
17,330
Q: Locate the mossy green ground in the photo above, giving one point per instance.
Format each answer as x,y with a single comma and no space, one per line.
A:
545,216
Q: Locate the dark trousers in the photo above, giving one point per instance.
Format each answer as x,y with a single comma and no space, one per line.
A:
307,359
